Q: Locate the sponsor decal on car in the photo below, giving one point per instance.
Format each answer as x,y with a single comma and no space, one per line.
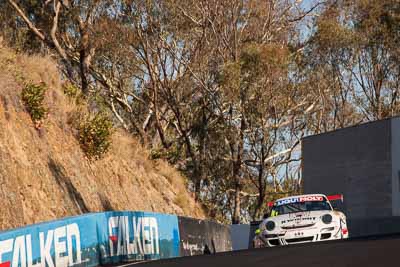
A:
311,219
299,199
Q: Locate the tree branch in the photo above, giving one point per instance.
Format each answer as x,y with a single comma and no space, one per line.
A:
53,31
32,27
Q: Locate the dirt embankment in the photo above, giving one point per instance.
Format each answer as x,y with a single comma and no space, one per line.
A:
44,175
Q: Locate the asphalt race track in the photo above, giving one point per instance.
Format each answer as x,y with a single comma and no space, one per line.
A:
373,251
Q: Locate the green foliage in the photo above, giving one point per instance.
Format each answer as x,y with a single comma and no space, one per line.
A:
95,135
156,154
251,58
333,35
70,90
230,80
73,92
171,154
256,62
33,98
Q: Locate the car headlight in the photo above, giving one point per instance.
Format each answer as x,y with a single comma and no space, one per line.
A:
327,218
270,225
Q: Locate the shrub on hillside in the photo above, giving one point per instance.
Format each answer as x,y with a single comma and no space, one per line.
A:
33,98
171,154
95,135
73,92
70,90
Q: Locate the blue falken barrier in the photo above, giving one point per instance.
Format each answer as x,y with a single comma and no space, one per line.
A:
92,240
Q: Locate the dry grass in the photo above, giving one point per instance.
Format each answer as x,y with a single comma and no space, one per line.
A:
168,173
183,201
43,173
37,69
30,68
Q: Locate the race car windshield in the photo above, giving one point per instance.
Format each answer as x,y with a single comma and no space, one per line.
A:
300,207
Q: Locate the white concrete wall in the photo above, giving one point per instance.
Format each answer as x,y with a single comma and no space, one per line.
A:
240,235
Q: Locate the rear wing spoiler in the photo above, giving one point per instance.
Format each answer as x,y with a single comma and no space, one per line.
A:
330,198
335,197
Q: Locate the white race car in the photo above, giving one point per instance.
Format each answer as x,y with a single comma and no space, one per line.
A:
301,219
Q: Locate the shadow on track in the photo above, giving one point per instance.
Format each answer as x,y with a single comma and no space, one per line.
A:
367,251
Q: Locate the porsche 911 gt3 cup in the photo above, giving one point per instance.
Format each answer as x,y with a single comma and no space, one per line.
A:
301,219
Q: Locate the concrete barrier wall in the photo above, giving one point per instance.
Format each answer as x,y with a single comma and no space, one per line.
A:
91,240
111,238
355,162
203,237
363,164
374,226
243,235
240,234
127,236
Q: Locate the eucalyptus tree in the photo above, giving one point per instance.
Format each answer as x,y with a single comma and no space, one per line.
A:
353,54
246,40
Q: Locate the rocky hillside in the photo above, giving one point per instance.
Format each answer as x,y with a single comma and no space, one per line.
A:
44,175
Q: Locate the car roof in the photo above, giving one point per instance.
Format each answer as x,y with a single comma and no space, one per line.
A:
306,195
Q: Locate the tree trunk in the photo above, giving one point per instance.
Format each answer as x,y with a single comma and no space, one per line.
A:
197,187
237,201
261,182
260,201
161,134
83,71
84,59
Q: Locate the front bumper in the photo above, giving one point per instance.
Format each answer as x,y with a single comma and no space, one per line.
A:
298,236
